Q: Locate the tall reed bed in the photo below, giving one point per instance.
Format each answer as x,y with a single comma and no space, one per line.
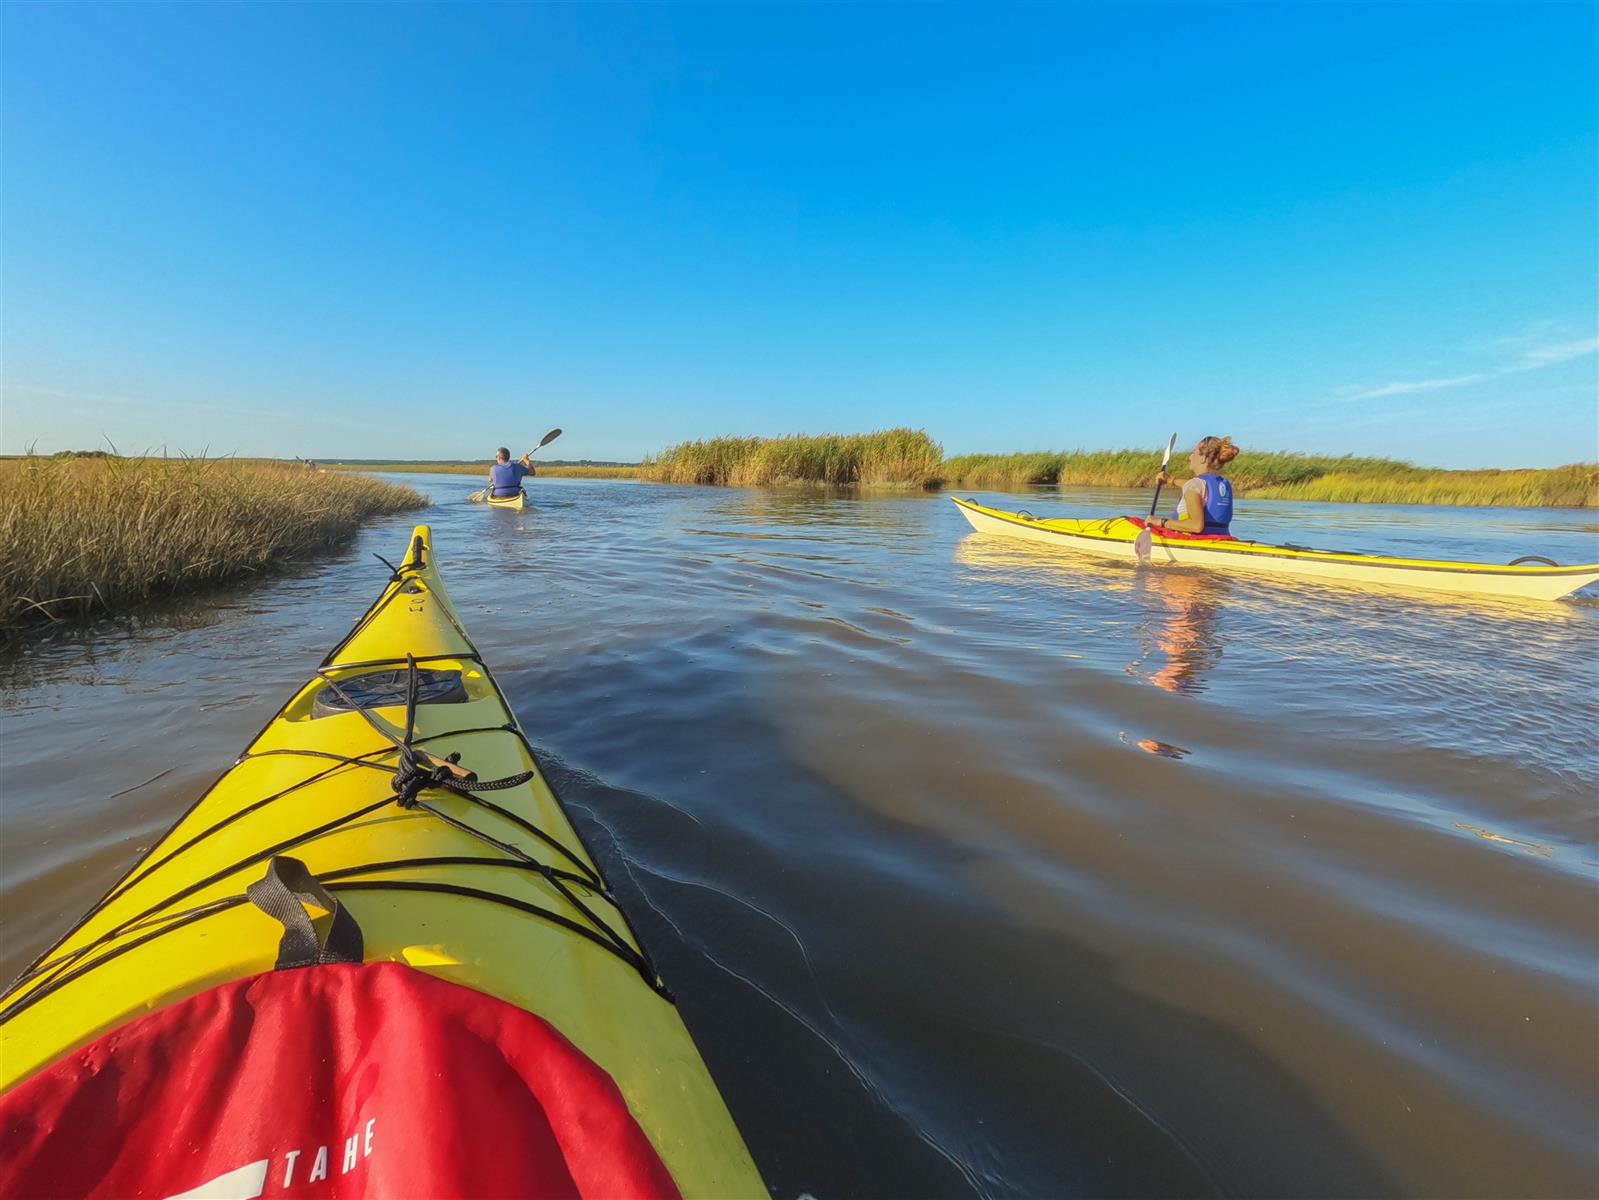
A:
1136,468
1285,476
587,471
887,458
96,535
1573,486
480,469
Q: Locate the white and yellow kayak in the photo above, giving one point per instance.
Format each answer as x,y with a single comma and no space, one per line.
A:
399,779
517,501
1113,537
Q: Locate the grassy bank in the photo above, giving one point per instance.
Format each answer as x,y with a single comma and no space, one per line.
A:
1284,476
558,470
97,535
909,458
1573,486
886,458
581,471
1136,468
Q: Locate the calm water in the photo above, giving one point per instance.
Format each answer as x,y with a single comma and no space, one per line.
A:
982,869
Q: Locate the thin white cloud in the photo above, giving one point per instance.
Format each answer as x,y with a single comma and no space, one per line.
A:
1405,386
1531,358
1543,356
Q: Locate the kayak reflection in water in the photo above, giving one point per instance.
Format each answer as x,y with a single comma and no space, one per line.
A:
1206,504
1184,635
505,476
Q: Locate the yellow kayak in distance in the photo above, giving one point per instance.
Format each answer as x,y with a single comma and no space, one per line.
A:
367,777
517,501
1113,537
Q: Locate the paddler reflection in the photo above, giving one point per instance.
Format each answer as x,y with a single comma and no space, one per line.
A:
1179,642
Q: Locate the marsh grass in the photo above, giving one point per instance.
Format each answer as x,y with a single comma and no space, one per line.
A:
1279,475
556,470
1575,485
580,471
96,535
1137,468
905,458
909,458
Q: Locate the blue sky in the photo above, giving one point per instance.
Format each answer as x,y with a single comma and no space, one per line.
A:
421,231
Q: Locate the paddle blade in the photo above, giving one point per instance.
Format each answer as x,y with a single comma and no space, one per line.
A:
548,438
478,497
1143,544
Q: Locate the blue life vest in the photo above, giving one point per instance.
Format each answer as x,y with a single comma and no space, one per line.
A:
506,478
1218,504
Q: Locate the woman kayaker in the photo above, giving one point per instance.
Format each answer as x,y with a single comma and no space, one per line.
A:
505,476
1206,504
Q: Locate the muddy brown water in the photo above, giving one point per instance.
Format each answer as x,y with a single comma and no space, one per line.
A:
981,869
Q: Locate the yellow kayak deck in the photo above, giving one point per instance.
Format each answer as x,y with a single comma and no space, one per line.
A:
490,888
482,497
1114,537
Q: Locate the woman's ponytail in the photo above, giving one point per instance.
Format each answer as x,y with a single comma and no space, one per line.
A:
1217,451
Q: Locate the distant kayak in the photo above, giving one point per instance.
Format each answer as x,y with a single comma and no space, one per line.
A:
1530,578
517,501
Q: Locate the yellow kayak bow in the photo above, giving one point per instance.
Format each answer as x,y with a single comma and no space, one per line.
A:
367,776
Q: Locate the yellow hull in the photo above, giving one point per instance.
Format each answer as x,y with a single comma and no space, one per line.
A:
1113,537
517,501
404,874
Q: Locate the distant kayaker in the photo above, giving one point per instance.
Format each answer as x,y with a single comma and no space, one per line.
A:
1206,505
505,476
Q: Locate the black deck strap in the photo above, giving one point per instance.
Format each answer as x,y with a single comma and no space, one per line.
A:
490,785
1536,558
410,698
418,770
410,779
281,893
413,775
